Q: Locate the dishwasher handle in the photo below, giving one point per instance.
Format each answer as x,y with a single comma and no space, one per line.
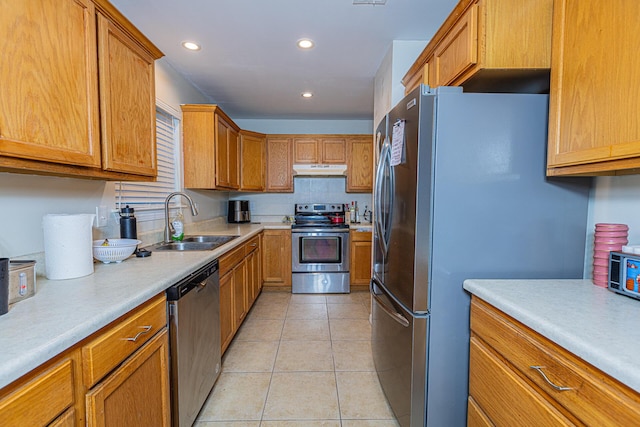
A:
197,280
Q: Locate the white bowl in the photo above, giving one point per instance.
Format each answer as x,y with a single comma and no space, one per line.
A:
116,250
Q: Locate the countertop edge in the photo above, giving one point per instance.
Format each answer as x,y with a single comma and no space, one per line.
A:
571,313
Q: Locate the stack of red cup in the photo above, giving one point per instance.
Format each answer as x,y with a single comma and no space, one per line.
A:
607,238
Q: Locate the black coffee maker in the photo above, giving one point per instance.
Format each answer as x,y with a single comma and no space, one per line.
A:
239,211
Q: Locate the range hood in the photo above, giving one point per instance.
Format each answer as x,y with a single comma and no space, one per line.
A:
319,170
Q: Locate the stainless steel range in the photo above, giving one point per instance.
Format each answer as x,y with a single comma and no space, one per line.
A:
320,249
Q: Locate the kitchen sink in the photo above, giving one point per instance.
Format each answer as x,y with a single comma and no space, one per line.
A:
194,243
218,240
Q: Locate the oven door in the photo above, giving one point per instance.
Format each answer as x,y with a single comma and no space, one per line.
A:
319,251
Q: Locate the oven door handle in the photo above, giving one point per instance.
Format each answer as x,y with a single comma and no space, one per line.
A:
390,311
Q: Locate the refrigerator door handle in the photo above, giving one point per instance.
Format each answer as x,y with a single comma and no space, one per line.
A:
390,311
383,219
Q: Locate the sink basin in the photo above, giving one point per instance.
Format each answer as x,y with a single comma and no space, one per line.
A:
218,240
194,243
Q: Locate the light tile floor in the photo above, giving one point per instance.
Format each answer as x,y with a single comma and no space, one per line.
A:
300,360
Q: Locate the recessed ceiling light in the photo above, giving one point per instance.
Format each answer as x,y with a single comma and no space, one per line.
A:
191,45
307,94
305,44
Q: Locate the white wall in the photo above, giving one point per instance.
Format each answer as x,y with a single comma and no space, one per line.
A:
614,199
388,87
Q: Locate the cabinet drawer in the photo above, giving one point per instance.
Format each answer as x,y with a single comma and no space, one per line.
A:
251,245
360,236
41,400
594,398
117,343
231,259
475,416
494,386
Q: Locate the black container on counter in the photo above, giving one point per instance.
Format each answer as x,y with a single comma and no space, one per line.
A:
4,286
128,227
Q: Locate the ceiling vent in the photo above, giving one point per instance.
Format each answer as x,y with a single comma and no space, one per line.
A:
371,2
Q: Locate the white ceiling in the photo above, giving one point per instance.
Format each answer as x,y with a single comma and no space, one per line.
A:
250,65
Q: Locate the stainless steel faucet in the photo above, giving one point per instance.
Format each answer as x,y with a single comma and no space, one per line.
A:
168,227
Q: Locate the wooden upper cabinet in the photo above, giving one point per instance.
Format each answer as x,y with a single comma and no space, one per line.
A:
227,148
211,148
49,82
306,150
319,149
252,161
489,46
56,116
593,111
360,164
127,101
279,164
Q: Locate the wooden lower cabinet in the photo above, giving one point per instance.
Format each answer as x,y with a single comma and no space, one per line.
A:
276,258
137,393
360,257
505,389
239,288
46,395
104,380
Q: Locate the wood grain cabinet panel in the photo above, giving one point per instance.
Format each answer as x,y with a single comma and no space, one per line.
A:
49,84
489,46
279,164
108,350
79,96
359,164
360,257
591,397
240,284
252,161
306,150
334,150
42,399
276,258
127,101
137,393
211,148
593,111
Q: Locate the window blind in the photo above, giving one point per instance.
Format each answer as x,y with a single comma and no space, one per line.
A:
147,198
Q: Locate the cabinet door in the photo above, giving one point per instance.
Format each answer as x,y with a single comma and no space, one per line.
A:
198,147
279,165
239,294
360,165
252,161
48,82
137,392
276,257
593,109
360,258
306,150
334,151
458,50
222,149
226,310
127,101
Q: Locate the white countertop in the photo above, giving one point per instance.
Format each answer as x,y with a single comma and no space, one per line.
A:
64,312
599,326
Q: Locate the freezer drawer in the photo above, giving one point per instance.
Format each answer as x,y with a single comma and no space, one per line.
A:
400,357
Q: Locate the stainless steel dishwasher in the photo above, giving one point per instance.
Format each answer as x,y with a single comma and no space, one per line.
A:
194,334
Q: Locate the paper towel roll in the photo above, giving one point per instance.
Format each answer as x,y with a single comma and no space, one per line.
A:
68,245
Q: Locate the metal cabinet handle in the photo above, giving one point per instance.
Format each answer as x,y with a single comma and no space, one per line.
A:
557,387
145,330
253,244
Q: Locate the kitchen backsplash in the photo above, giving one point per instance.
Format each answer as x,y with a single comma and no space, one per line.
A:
271,207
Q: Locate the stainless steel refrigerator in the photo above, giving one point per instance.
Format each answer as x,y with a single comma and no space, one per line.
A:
460,193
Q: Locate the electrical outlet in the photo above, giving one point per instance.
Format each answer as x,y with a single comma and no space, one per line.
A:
102,215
